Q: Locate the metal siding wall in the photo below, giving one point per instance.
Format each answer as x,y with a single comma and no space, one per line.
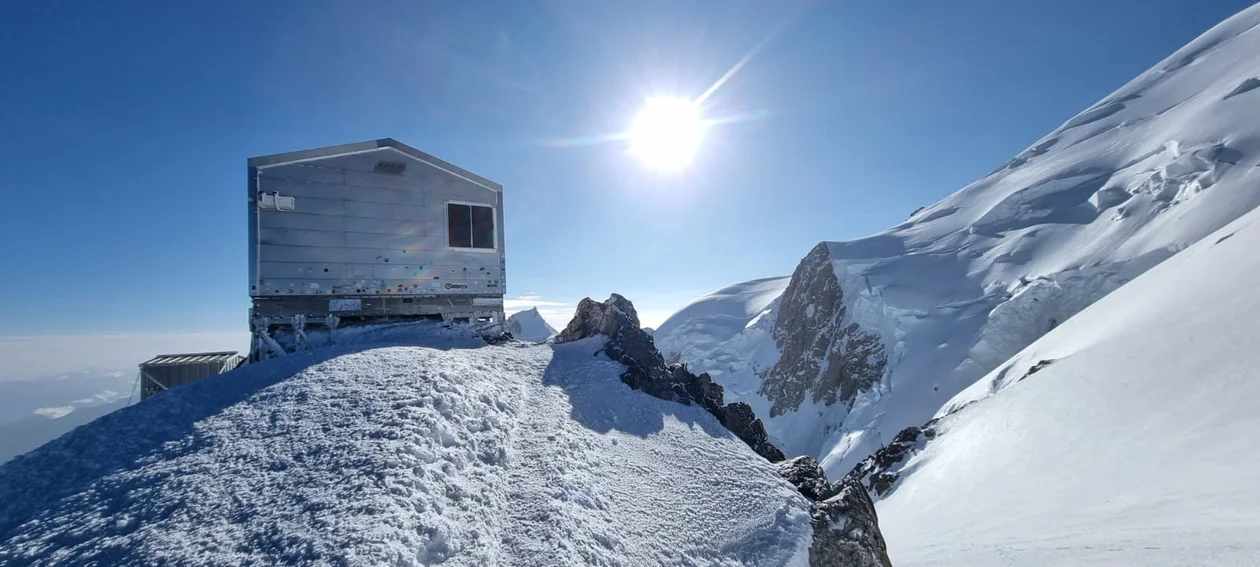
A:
502,256
252,228
175,375
354,231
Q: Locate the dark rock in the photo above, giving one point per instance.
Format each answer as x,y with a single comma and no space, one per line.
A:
593,319
740,419
702,388
808,477
825,356
846,529
501,338
880,471
646,369
1036,368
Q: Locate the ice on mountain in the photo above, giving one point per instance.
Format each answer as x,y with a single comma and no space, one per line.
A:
966,283
1124,436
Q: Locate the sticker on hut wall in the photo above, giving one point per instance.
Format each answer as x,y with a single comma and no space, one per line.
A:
277,202
345,304
390,167
285,203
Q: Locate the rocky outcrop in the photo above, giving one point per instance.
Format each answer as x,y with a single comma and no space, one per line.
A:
593,318
846,529
740,419
647,370
823,355
880,471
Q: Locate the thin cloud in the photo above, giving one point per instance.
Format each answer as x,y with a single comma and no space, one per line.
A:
522,303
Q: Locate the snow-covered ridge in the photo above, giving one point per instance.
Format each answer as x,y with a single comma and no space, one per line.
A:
966,283
390,452
1125,436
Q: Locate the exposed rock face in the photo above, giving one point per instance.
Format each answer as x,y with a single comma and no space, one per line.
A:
846,529
881,470
808,476
740,419
823,354
594,318
647,370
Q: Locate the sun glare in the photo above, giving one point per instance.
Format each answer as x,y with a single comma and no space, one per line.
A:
667,133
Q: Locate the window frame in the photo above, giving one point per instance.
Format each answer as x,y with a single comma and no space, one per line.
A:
494,215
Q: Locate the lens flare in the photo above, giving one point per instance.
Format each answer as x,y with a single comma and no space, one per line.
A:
667,133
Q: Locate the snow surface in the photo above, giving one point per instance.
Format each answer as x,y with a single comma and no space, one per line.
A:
965,284
1136,443
390,453
529,325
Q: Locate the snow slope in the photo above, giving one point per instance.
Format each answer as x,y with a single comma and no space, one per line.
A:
962,285
390,453
529,325
1136,444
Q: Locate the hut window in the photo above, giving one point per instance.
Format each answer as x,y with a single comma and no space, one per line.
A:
470,226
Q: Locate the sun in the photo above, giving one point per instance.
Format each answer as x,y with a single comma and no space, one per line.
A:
667,133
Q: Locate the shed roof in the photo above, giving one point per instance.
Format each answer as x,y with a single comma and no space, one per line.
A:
370,145
192,358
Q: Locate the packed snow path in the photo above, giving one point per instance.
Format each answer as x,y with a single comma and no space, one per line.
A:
404,455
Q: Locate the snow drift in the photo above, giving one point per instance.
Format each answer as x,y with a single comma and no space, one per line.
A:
1125,436
963,285
389,452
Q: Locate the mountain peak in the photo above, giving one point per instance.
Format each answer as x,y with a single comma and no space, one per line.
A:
529,325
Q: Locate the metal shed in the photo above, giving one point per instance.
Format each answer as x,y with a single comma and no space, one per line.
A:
368,231
167,371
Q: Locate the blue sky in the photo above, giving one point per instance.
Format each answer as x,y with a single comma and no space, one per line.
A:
126,129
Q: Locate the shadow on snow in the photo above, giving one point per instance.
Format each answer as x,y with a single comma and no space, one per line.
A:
602,402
